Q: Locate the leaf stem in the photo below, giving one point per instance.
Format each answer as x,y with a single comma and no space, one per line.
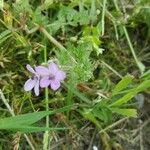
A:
103,16
56,43
46,134
112,69
138,62
53,40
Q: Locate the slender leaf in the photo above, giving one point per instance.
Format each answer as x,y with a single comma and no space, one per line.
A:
5,35
29,129
125,112
27,119
122,84
143,86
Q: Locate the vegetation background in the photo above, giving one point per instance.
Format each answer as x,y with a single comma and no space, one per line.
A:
103,46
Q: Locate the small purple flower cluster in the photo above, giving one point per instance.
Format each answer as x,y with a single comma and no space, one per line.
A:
43,77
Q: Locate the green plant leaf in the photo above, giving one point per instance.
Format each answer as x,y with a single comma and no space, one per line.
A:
125,111
143,86
124,99
30,129
5,35
146,75
27,119
122,84
89,116
103,113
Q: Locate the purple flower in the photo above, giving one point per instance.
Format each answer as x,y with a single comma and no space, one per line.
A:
34,81
54,77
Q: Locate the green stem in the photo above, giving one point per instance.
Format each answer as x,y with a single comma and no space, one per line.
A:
46,134
113,70
138,63
52,39
56,43
116,5
111,17
103,17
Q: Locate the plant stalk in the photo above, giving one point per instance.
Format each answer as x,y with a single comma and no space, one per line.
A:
56,43
103,17
46,134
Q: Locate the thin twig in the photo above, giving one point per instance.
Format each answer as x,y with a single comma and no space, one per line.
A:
91,142
55,42
112,18
114,124
132,50
113,70
6,103
13,114
138,63
141,137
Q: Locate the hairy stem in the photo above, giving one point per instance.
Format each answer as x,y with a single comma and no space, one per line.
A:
46,134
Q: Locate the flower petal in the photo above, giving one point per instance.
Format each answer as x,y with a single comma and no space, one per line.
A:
60,75
29,84
55,84
36,88
41,70
53,68
29,68
45,82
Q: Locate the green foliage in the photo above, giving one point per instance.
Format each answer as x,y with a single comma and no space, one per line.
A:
125,111
146,75
38,18
122,84
94,63
81,70
22,7
103,110
24,122
4,36
91,35
131,93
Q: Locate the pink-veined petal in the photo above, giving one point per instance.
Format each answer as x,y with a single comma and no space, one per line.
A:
55,84
36,88
45,82
41,70
29,68
53,68
29,84
60,75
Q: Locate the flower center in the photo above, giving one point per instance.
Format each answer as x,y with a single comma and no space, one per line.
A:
35,77
51,77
